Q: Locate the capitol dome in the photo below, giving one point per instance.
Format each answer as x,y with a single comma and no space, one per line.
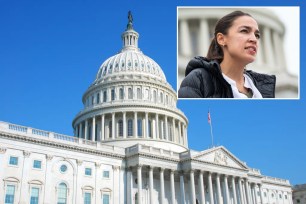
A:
131,102
130,61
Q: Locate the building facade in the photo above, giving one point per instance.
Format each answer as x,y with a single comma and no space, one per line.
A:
196,28
299,194
130,145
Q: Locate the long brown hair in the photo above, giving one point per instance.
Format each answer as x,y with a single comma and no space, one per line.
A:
215,51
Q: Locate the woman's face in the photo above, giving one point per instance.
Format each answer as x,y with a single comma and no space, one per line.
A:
242,40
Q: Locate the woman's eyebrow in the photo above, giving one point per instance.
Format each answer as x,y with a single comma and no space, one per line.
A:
249,28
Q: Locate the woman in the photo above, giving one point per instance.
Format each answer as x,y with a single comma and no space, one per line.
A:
222,73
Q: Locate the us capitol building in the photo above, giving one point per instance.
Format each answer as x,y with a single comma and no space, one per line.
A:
130,146
195,31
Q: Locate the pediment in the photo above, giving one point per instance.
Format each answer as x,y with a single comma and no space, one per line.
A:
220,156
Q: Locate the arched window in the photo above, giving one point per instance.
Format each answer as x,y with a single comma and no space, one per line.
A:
62,193
130,93
139,127
130,127
120,126
138,93
110,128
92,100
121,93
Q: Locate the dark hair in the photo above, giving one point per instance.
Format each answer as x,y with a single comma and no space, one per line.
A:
215,51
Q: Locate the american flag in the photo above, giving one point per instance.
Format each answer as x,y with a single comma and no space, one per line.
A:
208,116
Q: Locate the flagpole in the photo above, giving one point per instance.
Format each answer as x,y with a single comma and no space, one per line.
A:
211,132
212,137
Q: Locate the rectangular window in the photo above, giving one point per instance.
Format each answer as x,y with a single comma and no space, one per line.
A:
34,195
113,94
37,164
98,98
9,194
105,174
121,94
104,96
88,171
105,198
87,198
13,161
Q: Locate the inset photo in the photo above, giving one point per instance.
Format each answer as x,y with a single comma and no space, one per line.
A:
238,52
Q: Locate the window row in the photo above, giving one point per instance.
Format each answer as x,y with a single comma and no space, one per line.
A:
62,195
129,93
13,161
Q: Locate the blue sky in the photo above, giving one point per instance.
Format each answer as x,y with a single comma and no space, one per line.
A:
50,52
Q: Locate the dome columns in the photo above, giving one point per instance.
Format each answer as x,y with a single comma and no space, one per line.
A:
127,125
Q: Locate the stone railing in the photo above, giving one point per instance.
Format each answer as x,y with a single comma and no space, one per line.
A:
139,148
276,180
55,137
254,171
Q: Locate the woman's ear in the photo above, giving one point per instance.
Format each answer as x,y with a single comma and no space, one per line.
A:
221,39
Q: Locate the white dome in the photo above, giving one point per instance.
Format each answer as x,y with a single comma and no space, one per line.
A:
130,61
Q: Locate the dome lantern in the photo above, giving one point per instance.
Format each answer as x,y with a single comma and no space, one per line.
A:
130,36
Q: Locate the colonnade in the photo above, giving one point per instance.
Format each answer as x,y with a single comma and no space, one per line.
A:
125,125
201,187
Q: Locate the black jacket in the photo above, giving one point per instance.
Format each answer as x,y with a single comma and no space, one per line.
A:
203,79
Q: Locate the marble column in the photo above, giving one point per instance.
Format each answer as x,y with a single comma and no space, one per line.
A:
102,127
173,130
135,125
172,186
157,126
86,129
151,184
204,37
139,183
146,125
248,195
234,190
202,188
192,186
227,196
162,186
219,189
210,188
130,186
93,135
124,124
241,191
184,37
260,193
81,130
268,46
113,126
167,128
182,188
180,132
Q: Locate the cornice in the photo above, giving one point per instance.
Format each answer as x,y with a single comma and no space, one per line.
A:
54,144
152,156
213,164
